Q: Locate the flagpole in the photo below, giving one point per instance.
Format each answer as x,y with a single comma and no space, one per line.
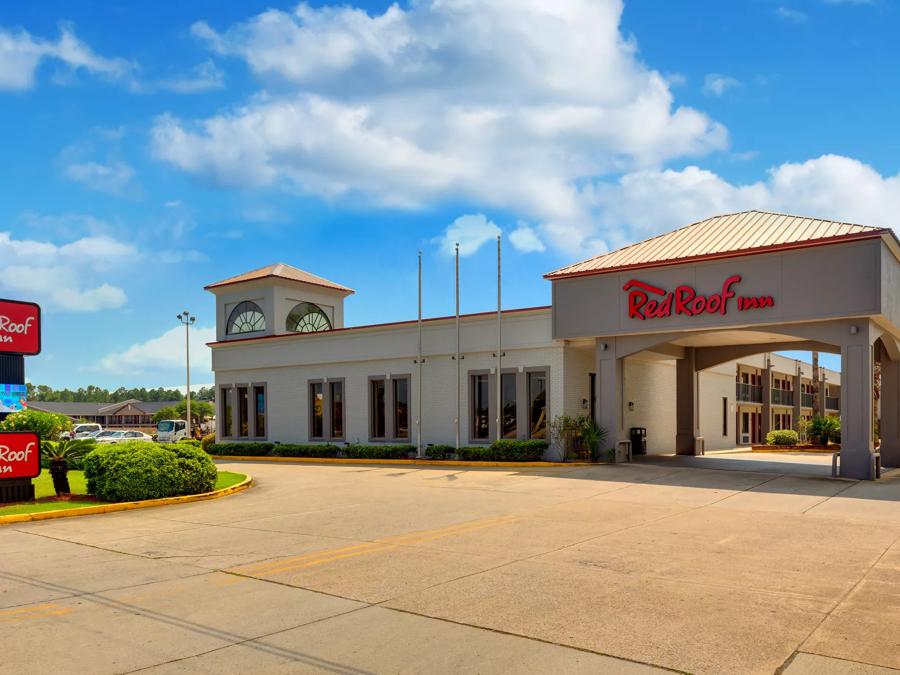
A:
458,367
499,350
419,369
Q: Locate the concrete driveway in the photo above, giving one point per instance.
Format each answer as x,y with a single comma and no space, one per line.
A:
351,569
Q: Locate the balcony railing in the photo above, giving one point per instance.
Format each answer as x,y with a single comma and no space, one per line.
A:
806,400
750,393
832,403
782,397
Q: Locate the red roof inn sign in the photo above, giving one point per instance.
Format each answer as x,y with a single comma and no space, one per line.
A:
20,455
649,302
20,328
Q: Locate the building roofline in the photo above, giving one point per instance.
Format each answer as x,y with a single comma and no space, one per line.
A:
877,233
325,283
389,324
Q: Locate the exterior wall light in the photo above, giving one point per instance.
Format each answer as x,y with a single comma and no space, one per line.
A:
854,329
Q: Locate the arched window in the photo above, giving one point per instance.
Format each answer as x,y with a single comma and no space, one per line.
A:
307,318
247,317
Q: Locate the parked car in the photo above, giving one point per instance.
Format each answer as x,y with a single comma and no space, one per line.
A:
84,430
171,431
122,436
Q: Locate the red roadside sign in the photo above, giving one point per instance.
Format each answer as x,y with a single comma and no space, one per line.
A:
20,327
20,455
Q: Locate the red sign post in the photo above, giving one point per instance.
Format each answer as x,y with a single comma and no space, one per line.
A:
20,455
20,328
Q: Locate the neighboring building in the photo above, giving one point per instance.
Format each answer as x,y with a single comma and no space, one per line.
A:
676,334
130,414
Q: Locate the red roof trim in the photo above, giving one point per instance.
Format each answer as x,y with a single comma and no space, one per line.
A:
378,325
839,239
333,287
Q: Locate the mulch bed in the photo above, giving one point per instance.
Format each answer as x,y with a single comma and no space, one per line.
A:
803,447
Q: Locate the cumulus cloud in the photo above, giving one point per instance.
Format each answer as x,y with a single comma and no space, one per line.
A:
790,14
510,105
645,203
163,352
203,77
64,276
526,240
114,177
21,54
715,84
471,232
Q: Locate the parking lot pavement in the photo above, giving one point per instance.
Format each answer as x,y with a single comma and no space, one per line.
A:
349,569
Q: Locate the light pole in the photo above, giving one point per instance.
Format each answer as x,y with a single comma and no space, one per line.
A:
188,320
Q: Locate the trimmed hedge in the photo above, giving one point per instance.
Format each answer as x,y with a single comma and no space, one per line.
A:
193,442
138,470
206,441
290,450
439,451
505,451
378,451
249,449
782,437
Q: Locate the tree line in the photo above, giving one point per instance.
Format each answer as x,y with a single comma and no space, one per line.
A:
94,394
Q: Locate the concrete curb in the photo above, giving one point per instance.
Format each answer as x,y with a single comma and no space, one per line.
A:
126,506
417,462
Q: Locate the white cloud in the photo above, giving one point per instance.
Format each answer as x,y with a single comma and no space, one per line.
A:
203,77
790,14
115,177
164,352
67,277
21,54
79,163
526,240
715,84
507,104
471,232
645,203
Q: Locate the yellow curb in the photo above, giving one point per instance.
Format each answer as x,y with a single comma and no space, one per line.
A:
126,506
418,462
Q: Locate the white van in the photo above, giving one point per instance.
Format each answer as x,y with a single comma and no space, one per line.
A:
171,431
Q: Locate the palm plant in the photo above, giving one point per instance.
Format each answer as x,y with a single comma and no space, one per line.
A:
60,455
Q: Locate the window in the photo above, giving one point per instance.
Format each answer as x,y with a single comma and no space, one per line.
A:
481,393
725,416
316,410
243,412
227,412
246,317
401,407
336,389
378,426
307,318
537,404
593,392
508,405
259,394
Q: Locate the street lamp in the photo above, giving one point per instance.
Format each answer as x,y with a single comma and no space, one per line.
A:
188,320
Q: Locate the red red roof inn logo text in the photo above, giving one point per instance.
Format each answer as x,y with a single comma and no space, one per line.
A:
20,328
649,302
20,455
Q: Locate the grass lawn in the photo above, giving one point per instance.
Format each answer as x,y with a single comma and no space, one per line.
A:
43,487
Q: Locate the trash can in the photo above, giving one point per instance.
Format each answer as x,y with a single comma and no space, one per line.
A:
638,440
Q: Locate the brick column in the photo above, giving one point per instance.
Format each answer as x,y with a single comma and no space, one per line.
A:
686,393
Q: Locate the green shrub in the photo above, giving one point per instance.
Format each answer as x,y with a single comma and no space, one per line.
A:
255,449
505,451
439,451
289,450
193,442
132,471
206,441
378,451
48,426
782,437
824,429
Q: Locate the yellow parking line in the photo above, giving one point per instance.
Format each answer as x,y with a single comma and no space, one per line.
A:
321,557
34,612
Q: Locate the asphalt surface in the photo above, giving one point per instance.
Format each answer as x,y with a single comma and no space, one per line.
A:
383,569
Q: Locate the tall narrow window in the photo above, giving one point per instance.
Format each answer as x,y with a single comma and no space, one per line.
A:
337,409
725,416
259,394
227,412
243,412
376,409
537,405
508,404
316,410
401,407
481,393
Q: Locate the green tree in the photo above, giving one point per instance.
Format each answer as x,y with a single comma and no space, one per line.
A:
167,413
48,426
199,410
61,455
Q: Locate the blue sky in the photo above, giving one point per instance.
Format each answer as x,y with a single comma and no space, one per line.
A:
151,148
